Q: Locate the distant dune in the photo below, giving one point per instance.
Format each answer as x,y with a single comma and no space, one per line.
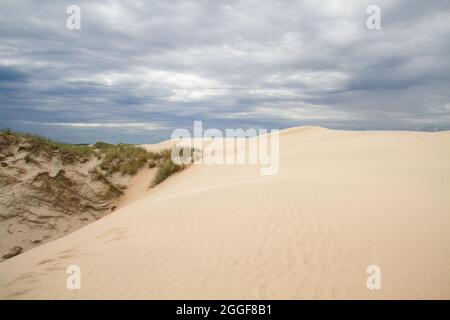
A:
343,200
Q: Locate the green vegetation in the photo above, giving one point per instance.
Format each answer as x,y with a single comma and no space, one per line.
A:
121,158
39,142
125,159
166,153
166,170
102,145
154,155
166,167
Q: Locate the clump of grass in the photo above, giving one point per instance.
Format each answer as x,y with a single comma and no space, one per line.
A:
166,153
166,167
157,159
79,149
122,158
166,170
154,155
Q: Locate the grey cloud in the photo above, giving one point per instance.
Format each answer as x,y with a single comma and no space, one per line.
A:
279,63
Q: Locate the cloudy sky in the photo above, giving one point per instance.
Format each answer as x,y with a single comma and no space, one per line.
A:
138,69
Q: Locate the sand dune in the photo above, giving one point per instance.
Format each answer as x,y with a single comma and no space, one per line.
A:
343,200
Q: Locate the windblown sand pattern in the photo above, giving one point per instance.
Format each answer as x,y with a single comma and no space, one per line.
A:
342,201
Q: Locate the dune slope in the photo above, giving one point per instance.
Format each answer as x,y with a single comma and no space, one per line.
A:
342,201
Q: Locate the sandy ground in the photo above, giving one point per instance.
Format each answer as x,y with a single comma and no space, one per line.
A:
342,201
138,187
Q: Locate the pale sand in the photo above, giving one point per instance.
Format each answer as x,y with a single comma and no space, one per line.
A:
138,187
342,201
